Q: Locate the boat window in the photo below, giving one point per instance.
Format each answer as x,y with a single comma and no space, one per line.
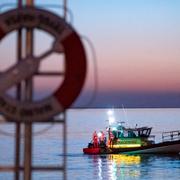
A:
144,132
120,134
131,134
125,133
136,133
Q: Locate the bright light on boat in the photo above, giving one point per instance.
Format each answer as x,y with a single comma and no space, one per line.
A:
99,134
114,128
111,120
110,112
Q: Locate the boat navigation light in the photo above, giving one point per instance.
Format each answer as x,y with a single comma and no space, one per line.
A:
110,112
114,128
111,120
99,134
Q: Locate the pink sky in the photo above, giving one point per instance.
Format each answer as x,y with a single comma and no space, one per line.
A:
137,45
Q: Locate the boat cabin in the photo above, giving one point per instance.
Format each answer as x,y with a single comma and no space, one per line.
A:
129,137
122,132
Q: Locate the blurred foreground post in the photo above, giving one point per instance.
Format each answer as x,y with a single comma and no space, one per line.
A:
19,97
28,97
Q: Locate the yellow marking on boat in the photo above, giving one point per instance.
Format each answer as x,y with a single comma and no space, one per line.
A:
124,145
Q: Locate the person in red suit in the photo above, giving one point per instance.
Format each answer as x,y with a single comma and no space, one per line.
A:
111,137
95,139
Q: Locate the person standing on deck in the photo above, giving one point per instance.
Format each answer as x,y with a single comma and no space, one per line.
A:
95,139
111,138
102,138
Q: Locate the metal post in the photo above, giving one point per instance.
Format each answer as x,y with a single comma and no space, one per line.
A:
25,93
64,113
19,97
64,144
28,97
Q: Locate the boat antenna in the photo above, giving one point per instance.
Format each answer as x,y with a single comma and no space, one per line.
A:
125,114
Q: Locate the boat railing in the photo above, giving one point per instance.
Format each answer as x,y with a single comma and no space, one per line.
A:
151,139
171,136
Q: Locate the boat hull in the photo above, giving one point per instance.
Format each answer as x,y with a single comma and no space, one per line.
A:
160,148
91,150
172,147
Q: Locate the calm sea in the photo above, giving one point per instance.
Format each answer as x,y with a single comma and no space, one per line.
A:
47,147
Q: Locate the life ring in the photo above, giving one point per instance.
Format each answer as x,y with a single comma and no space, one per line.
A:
75,64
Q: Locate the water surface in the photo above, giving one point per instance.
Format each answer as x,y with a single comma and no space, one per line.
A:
47,147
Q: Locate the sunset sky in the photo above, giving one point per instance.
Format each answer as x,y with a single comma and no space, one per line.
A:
137,45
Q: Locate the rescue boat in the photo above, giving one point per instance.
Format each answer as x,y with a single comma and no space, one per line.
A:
138,140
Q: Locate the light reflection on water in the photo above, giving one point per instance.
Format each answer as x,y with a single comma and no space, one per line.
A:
81,124
121,167
114,167
121,161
